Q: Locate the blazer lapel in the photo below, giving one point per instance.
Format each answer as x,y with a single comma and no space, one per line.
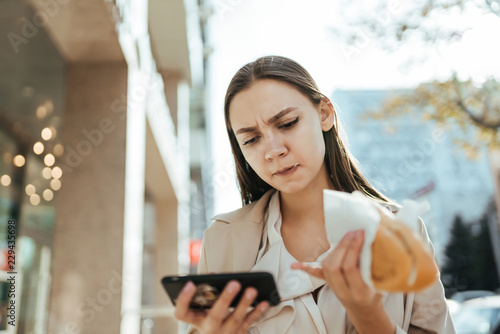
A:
246,239
246,226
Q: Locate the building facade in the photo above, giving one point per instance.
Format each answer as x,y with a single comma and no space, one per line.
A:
95,130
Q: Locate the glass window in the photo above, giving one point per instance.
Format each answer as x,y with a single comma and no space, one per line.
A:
31,111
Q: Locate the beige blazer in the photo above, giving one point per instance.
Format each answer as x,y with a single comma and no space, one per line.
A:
231,244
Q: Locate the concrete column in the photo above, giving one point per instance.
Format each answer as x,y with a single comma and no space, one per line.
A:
88,239
170,84
166,237
134,205
166,255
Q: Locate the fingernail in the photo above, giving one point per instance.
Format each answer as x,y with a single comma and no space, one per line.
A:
349,235
358,234
188,287
250,294
264,306
232,287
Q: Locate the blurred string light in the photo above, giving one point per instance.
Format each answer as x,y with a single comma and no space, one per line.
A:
27,91
35,199
46,134
7,157
49,160
52,174
53,131
30,189
17,127
49,105
56,172
5,180
47,173
38,148
58,150
19,160
41,112
44,109
55,184
48,195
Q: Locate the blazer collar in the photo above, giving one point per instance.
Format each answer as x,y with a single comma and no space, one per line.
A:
246,226
253,212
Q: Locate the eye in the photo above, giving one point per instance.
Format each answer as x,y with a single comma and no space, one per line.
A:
251,141
289,124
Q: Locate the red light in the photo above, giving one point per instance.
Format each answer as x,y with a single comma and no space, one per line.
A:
195,251
4,260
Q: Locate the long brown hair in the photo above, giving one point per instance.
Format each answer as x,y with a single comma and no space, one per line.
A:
341,165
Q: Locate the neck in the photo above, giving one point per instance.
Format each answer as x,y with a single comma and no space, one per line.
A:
305,206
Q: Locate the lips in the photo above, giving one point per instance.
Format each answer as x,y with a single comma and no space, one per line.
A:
286,169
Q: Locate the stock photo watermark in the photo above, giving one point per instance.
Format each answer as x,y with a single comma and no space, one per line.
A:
12,278
88,310
224,6
30,26
409,165
93,138
364,36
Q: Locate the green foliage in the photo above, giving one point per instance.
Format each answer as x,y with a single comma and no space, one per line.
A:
394,23
470,263
456,272
473,108
485,263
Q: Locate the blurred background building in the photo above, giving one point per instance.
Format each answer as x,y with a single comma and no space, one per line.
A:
407,157
103,143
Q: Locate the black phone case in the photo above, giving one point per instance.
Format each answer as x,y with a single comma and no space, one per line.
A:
210,286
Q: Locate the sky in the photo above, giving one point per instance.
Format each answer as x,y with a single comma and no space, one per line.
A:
243,30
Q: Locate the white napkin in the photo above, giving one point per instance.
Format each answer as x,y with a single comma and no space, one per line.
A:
346,212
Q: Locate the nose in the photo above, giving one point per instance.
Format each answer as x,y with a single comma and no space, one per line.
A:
275,148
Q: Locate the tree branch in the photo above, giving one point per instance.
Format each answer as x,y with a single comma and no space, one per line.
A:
480,121
477,120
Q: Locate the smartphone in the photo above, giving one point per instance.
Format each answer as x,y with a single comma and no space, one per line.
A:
209,287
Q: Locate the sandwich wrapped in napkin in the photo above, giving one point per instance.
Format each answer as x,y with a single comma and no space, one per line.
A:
394,258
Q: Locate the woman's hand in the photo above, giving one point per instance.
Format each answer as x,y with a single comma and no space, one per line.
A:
219,319
340,270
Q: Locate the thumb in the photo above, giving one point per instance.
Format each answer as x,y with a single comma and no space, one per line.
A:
315,270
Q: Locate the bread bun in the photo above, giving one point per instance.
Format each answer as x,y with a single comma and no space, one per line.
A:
401,262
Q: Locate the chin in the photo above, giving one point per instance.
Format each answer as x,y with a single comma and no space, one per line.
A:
290,188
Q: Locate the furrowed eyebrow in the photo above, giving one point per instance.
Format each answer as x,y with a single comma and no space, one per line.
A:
270,121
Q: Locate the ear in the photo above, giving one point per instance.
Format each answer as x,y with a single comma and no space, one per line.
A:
327,114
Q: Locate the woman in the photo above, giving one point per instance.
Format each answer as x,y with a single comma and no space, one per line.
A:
287,146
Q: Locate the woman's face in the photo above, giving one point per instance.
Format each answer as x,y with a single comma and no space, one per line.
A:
279,131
